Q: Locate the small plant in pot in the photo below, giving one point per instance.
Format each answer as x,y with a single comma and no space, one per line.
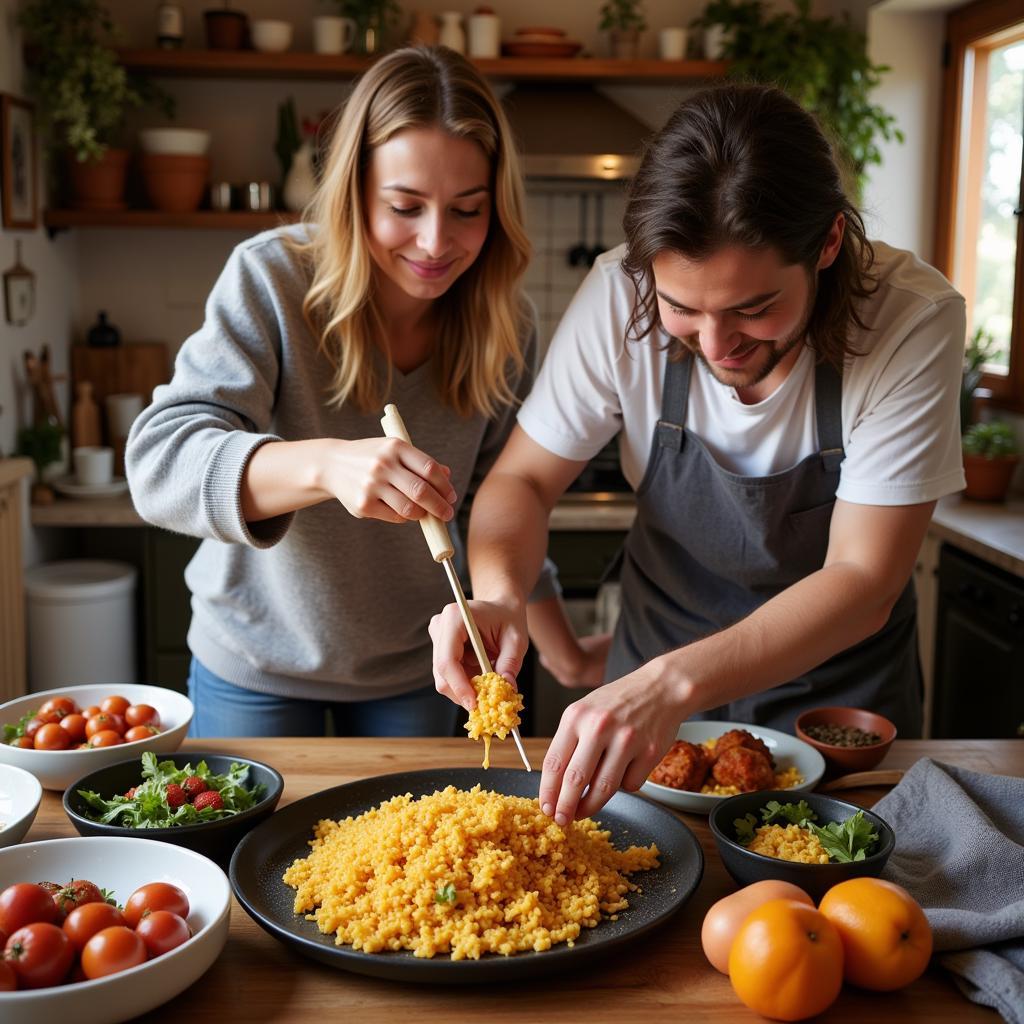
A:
82,94
991,454
623,20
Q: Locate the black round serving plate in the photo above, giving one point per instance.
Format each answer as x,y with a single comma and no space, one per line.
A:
268,850
214,839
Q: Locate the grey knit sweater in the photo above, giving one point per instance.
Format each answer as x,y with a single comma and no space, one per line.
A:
314,604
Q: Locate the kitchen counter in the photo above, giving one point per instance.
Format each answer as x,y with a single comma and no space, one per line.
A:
664,978
993,531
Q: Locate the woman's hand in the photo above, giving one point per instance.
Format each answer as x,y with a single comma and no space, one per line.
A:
585,669
385,478
503,632
610,739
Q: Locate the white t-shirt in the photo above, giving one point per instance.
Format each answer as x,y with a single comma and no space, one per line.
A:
900,405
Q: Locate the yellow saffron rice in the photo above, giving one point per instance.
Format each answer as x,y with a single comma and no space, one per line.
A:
462,873
498,704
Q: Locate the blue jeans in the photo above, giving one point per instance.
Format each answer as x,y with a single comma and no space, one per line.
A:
223,709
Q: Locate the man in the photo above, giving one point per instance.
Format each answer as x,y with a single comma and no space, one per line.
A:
787,400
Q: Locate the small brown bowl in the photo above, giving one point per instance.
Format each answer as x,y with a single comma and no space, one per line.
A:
840,760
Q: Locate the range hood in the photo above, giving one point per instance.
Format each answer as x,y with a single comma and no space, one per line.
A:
574,132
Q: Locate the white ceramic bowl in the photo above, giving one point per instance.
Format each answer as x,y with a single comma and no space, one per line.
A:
788,752
20,794
270,35
122,865
57,769
178,141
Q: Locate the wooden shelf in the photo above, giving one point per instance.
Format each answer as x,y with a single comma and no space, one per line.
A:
240,220
251,64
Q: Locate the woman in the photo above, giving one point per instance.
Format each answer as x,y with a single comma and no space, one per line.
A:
403,285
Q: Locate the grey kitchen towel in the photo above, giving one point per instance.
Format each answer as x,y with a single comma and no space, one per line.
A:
960,853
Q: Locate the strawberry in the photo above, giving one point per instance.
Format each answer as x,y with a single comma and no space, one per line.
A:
175,796
209,798
193,786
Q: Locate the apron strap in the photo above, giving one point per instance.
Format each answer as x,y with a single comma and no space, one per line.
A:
673,402
828,412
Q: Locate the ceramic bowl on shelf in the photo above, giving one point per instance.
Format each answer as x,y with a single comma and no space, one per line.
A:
747,867
843,759
122,865
57,769
177,141
20,796
175,182
270,35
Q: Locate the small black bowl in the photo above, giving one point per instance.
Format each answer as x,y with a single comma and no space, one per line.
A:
214,839
815,879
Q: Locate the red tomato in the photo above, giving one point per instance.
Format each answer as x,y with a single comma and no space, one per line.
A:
114,705
33,725
77,893
25,903
60,705
41,954
74,724
104,720
105,738
142,714
92,709
162,931
85,921
25,742
51,737
112,950
155,896
8,979
140,732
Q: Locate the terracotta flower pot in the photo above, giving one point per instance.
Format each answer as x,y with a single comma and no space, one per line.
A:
988,479
226,29
624,43
99,184
175,182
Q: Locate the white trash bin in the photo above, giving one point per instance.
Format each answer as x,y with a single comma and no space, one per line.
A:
81,623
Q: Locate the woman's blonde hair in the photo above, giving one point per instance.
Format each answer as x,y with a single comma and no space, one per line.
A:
480,330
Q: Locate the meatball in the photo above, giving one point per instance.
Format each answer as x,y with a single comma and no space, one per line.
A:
685,766
742,738
743,768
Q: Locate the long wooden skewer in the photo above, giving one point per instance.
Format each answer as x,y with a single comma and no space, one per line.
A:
440,544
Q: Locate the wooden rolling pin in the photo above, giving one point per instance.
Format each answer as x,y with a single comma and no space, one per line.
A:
440,544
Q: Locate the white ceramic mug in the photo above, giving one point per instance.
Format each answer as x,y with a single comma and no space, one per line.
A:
121,412
715,39
332,34
93,465
484,35
672,43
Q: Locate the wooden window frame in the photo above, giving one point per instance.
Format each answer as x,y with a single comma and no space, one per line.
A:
975,30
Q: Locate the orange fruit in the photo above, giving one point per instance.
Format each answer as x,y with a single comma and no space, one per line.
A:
786,961
887,940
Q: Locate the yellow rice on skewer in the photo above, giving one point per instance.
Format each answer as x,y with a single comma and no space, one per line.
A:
498,704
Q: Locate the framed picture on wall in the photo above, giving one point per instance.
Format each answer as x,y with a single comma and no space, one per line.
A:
18,164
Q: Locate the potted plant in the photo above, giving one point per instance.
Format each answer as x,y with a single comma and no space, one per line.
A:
822,63
82,94
991,454
42,443
376,22
623,20
981,348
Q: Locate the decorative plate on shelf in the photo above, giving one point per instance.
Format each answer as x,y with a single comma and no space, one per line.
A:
71,488
540,47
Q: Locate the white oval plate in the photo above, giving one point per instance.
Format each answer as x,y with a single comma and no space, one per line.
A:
788,752
122,864
71,488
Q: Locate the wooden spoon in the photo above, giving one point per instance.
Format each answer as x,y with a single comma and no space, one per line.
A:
860,780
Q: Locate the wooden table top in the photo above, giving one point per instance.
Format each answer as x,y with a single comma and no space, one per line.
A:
665,978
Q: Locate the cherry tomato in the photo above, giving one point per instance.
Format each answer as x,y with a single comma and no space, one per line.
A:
162,931
33,725
155,896
74,725
105,738
60,705
77,893
8,979
92,709
41,954
142,714
85,921
26,903
112,950
104,720
51,737
140,732
25,742
114,705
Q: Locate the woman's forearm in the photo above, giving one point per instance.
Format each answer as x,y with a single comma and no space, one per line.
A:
281,477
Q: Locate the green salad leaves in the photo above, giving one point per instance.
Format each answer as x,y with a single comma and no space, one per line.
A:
148,807
843,841
10,733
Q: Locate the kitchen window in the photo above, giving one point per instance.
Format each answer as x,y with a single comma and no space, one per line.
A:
979,229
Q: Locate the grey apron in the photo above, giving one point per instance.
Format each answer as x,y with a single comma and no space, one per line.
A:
708,547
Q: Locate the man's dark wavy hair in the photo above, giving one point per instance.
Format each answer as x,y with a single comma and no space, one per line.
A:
745,165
